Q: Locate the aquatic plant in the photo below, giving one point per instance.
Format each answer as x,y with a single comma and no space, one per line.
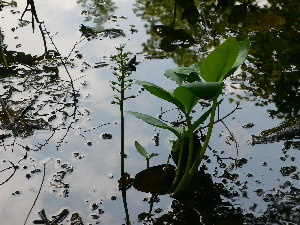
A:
203,80
144,153
122,71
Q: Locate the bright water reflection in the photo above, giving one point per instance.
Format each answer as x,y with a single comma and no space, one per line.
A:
90,164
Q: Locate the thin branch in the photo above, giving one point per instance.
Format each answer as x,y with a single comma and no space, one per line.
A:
15,169
37,196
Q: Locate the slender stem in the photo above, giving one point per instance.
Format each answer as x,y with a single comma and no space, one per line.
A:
122,118
148,163
122,99
199,158
179,165
125,205
185,181
190,157
191,142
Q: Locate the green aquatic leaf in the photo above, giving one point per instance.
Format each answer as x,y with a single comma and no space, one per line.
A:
160,93
182,74
154,122
153,155
204,90
244,47
220,61
187,98
141,149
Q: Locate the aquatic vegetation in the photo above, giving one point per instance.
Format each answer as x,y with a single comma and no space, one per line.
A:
203,80
144,153
122,71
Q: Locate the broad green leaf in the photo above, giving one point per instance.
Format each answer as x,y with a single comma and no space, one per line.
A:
141,149
153,121
160,93
220,61
243,52
204,90
182,74
187,98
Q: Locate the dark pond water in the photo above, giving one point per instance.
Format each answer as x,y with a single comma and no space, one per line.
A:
60,134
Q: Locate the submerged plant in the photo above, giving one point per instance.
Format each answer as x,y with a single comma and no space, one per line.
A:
200,81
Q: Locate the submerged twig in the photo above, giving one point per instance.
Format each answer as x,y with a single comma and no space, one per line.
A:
11,167
37,196
235,141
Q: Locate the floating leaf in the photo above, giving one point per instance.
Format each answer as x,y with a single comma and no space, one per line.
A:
220,61
157,179
153,121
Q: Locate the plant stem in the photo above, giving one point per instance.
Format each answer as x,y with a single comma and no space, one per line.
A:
148,163
206,141
188,175
179,165
189,164
123,66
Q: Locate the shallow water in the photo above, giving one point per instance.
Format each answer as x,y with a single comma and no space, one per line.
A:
81,168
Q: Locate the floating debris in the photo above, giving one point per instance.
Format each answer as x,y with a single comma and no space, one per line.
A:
248,125
106,136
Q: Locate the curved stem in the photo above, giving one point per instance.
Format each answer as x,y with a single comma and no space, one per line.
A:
179,165
182,183
199,158
189,174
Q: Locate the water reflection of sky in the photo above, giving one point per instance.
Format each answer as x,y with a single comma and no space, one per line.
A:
90,181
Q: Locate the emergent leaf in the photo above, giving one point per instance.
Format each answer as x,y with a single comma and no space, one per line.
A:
160,93
141,149
204,90
187,98
153,121
182,74
243,52
220,61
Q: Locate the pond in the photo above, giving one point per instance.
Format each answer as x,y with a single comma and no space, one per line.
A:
61,139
